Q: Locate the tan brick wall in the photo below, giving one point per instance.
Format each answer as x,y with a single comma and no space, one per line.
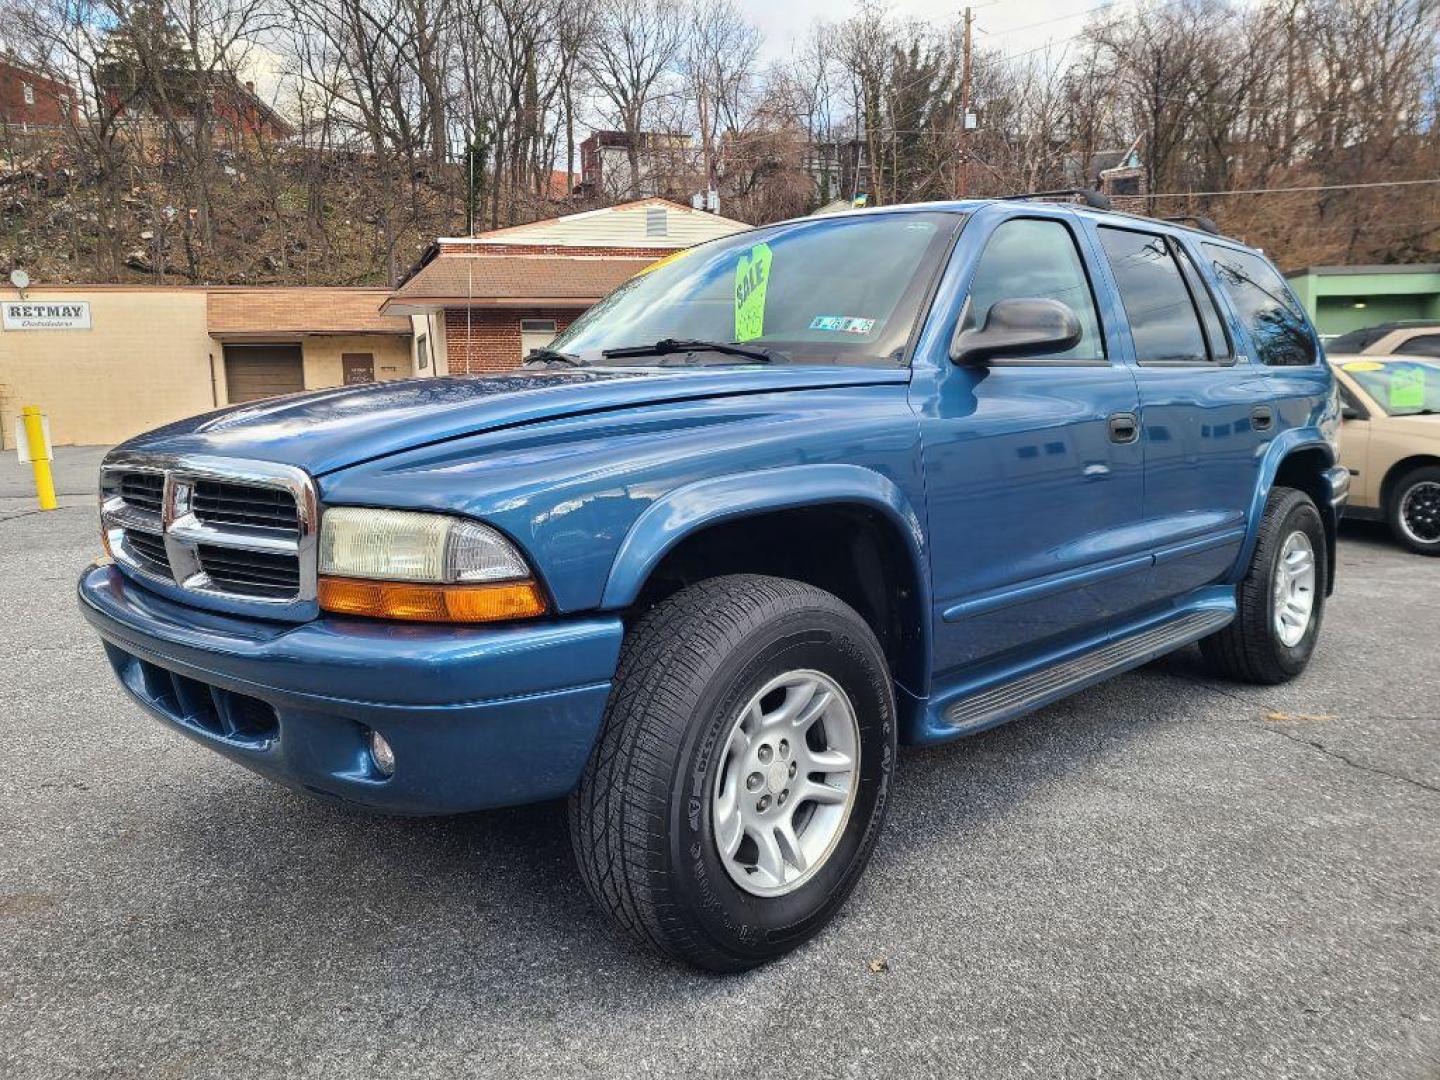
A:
488,339
144,362
323,367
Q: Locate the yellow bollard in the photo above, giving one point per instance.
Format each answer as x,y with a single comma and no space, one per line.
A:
39,456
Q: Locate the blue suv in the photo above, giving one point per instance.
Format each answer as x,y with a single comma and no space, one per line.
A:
777,504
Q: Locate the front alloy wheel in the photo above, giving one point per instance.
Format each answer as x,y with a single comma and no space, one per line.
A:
784,794
740,779
1415,510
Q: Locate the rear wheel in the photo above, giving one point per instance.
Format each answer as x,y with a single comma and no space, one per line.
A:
1414,510
1280,602
740,781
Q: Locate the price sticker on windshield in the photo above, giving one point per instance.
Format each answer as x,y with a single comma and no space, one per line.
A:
752,275
1407,387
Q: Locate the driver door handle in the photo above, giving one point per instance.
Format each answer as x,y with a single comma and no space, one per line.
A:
1124,427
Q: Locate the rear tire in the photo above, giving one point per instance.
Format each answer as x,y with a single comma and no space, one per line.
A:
648,821
1414,510
1278,614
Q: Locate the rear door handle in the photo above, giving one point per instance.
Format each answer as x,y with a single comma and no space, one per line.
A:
1262,417
1124,427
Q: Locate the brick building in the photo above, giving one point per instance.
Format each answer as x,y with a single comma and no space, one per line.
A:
237,115
481,303
29,98
106,362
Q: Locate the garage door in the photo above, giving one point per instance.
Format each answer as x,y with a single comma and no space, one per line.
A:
261,371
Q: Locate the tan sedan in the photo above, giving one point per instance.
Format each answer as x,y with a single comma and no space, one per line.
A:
1390,442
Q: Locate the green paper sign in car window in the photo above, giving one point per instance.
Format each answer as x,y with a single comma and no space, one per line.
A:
752,275
1407,387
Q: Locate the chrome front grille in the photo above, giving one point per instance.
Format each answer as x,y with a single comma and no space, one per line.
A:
148,549
144,491
216,502
251,573
227,534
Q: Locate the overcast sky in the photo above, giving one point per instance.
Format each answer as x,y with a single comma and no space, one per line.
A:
1004,25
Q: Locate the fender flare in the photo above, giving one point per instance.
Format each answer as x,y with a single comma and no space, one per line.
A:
1280,448
691,507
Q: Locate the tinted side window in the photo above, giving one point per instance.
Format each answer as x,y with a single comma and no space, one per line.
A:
1422,345
1163,323
1265,305
1215,336
1029,258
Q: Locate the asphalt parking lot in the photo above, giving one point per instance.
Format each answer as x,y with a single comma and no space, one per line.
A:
1167,875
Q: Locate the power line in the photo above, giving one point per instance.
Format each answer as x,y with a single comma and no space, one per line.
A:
1282,190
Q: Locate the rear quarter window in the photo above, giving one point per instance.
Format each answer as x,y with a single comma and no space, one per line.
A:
1265,304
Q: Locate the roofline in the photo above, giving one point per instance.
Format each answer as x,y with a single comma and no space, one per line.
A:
1342,271
294,332
491,301
591,213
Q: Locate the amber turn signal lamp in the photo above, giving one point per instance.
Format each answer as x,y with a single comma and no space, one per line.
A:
431,603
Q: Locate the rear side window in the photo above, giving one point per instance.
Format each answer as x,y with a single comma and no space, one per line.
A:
1029,258
1215,336
1265,305
1420,345
1164,324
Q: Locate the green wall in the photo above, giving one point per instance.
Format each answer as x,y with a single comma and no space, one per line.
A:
1388,295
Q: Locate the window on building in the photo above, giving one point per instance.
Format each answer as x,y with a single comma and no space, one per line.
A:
1163,322
536,334
422,353
656,222
1028,257
28,90
1266,306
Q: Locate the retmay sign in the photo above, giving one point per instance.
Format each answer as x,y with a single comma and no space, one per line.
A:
46,315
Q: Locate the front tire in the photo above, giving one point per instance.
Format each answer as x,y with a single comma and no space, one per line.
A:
740,781
1280,602
1414,510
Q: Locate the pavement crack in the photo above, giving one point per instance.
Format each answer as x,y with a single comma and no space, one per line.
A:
1341,756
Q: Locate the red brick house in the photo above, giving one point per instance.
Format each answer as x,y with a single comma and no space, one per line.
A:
237,114
481,303
29,98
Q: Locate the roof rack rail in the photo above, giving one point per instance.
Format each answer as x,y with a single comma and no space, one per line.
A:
1093,199
1204,224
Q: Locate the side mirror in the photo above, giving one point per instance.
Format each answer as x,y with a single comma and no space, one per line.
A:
1349,412
1017,328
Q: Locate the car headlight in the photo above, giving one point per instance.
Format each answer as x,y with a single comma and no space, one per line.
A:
399,564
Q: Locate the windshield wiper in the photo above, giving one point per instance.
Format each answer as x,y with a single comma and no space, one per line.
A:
671,346
548,356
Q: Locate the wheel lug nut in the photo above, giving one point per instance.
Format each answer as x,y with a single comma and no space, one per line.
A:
753,781
793,767
784,748
766,753
763,804
780,799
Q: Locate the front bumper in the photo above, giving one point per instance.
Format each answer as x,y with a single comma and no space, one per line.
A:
477,716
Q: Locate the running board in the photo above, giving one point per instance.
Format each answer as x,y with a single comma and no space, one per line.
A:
1023,693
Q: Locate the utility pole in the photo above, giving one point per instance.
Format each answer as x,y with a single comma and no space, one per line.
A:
963,188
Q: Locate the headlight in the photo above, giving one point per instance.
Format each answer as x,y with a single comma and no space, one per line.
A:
399,564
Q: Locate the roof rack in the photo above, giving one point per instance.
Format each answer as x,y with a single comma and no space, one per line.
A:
1091,197
1204,224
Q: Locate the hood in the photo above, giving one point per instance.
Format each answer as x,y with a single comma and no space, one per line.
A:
325,430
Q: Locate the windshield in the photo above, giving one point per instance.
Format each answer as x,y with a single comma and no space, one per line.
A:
1400,387
843,290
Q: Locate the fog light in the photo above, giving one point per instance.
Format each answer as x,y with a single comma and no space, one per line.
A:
383,756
